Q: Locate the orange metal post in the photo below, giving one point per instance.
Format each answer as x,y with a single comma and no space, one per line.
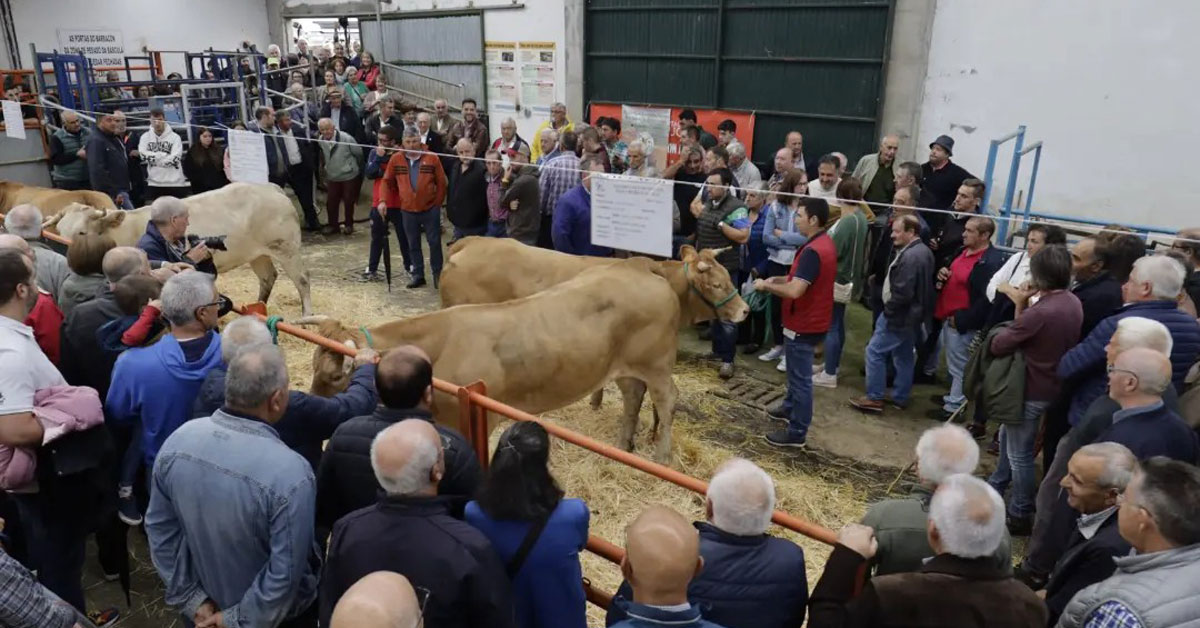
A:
479,423
595,596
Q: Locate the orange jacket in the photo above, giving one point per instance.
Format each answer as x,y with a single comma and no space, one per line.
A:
430,191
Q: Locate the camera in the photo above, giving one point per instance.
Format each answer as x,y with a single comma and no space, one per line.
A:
215,243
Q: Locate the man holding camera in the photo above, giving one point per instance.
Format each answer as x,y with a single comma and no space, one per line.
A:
166,238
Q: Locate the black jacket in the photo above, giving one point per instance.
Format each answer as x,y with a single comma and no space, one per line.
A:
949,238
467,205
975,317
108,166
911,283
157,250
1101,298
374,123
84,362
1084,562
346,482
309,420
348,121
942,186
417,538
204,174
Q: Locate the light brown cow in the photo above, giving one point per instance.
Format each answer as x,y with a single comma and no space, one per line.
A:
260,223
545,351
49,200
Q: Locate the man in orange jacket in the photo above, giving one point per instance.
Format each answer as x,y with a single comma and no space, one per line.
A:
417,179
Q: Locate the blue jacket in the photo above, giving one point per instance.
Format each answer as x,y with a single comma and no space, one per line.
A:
782,217
747,582
640,616
572,226
231,518
1152,431
1084,365
755,249
309,420
548,590
157,250
156,385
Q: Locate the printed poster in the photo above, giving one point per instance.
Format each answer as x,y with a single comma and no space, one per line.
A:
538,84
14,124
500,60
632,214
104,47
248,156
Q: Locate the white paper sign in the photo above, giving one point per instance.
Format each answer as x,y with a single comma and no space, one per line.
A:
248,156
14,124
632,214
103,46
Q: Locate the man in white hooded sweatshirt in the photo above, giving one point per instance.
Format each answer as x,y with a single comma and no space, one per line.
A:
162,152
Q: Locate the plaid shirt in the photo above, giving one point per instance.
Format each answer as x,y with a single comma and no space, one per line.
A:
558,175
618,150
1112,614
26,604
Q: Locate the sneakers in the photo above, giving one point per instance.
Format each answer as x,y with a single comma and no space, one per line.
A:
784,438
866,404
774,353
371,275
127,508
824,380
777,412
726,371
782,366
105,617
818,368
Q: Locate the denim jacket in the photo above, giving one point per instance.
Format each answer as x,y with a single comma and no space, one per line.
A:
781,249
231,519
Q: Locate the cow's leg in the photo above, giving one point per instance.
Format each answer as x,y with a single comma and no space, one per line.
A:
265,269
632,393
296,271
663,395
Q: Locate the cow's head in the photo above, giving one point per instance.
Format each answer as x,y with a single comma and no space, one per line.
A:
711,284
331,370
78,219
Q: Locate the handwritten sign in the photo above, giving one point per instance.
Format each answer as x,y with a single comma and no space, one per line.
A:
632,214
14,124
104,47
248,156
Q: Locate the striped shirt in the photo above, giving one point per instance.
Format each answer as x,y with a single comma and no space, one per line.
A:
558,176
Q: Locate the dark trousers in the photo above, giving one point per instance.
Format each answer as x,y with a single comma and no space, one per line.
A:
62,184
55,548
429,223
379,233
154,191
544,240
462,232
928,347
497,229
300,178
776,270
344,193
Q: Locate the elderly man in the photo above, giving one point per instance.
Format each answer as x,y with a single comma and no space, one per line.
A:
941,177
418,181
549,146
466,203
876,172
909,174
750,579
52,270
1137,381
639,166
470,127
1150,292
571,229
662,556
342,156
166,238
429,138
301,163
1098,290
509,140
900,524
411,532
826,184
442,120
108,165
404,381
782,166
961,585
1098,475
68,153
1155,585
309,420
689,174
161,150
556,176
254,561
520,199
794,142
558,122
746,173
344,118
384,599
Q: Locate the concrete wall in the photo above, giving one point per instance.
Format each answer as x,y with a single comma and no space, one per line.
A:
1107,85
190,25
908,62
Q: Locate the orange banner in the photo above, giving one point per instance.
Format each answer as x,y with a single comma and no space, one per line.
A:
708,119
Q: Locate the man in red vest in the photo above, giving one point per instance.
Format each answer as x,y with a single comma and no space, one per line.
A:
807,309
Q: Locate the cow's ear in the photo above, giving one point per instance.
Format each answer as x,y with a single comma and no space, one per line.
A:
111,220
687,253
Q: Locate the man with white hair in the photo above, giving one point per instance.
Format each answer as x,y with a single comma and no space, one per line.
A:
1136,381
383,599
251,559
310,420
166,238
549,145
959,586
467,200
744,170
509,139
52,270
1099,474
410,531
442,120
558,122
900,524
750,579
639,166
1150,292
875,171
68,153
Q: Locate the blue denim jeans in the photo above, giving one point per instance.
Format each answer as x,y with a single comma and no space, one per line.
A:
497,229
835,339
958,346
798,404
429,223
724,339
379,230
1016,463
896,346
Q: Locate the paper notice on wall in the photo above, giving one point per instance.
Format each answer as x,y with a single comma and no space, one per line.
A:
652,127
500,61
14,124
632,214
104,47
248,156
538,83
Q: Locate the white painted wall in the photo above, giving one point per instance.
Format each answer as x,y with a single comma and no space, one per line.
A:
191,25
1108,85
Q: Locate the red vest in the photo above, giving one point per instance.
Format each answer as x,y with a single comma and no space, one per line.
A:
812,313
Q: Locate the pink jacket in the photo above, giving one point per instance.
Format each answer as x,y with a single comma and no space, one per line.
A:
60,410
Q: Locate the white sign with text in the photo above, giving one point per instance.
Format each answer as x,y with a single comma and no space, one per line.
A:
103,46
14,125
632,214
248,156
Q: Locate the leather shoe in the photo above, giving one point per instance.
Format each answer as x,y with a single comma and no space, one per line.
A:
416,282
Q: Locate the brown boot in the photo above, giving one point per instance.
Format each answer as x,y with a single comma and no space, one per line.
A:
866,404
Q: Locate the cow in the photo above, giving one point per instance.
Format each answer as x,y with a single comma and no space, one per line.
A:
542,352
49,200
259,222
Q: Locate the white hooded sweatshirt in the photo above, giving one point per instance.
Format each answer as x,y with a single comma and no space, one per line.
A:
163,156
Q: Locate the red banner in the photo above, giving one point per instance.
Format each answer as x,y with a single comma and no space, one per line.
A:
708,119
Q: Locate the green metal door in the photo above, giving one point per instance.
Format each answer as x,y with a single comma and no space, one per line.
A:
812,66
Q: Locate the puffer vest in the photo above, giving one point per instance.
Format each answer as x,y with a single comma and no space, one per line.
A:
1159,588
76,170
709,236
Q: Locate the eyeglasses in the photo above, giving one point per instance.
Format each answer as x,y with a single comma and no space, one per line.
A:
1113,369
423,596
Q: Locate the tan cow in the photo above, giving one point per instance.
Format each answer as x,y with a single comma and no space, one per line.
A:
49,200
543,352
260,223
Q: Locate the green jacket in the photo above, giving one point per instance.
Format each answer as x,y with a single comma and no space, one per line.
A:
849,235
998,383
342,155
903,541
